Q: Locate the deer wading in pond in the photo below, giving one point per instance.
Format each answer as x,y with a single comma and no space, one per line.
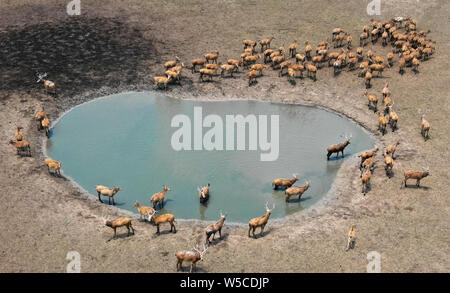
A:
284,183
214,228
259,222
295,190
203,193
338,148
105,191
159,197
192,256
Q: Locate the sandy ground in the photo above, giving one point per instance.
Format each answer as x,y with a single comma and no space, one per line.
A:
120,45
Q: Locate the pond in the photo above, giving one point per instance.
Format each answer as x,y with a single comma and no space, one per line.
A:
126,140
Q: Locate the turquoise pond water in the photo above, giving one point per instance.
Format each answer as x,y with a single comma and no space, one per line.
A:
125,140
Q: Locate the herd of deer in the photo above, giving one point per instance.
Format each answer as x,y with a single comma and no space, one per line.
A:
411,46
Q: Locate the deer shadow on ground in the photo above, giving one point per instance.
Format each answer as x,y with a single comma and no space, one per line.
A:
414,186
121,236
298,200
339,157
258,234
218,240
197,269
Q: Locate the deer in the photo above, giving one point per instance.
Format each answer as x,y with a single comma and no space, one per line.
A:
366,155
158,198
338,148
368,164
53,165
48,85
143,210
249,43
171,63
311,70
417,175
162,80
388,163
425,128
259,222
265,44
372,101
165,218
392,148
45,124
214,228
212,57
120,222
293,49
197,62
22,147
367,79
365,180
192,256
393,118
252,75
105,191
208,72
294,191
382,122
284,183
203,193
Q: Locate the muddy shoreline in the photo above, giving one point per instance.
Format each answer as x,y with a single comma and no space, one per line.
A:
44,217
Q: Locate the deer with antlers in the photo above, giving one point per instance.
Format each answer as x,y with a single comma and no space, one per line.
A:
338,148
214,228
203,193
259,222
48,85
192,256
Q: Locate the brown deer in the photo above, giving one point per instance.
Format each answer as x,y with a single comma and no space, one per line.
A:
158,220
417,175
123,221
259,222
366,155
103,190
192,256
294,191
159,197
284,183
365,180
214,228
203,193
338,148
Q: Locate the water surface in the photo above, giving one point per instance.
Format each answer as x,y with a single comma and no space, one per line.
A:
125,140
